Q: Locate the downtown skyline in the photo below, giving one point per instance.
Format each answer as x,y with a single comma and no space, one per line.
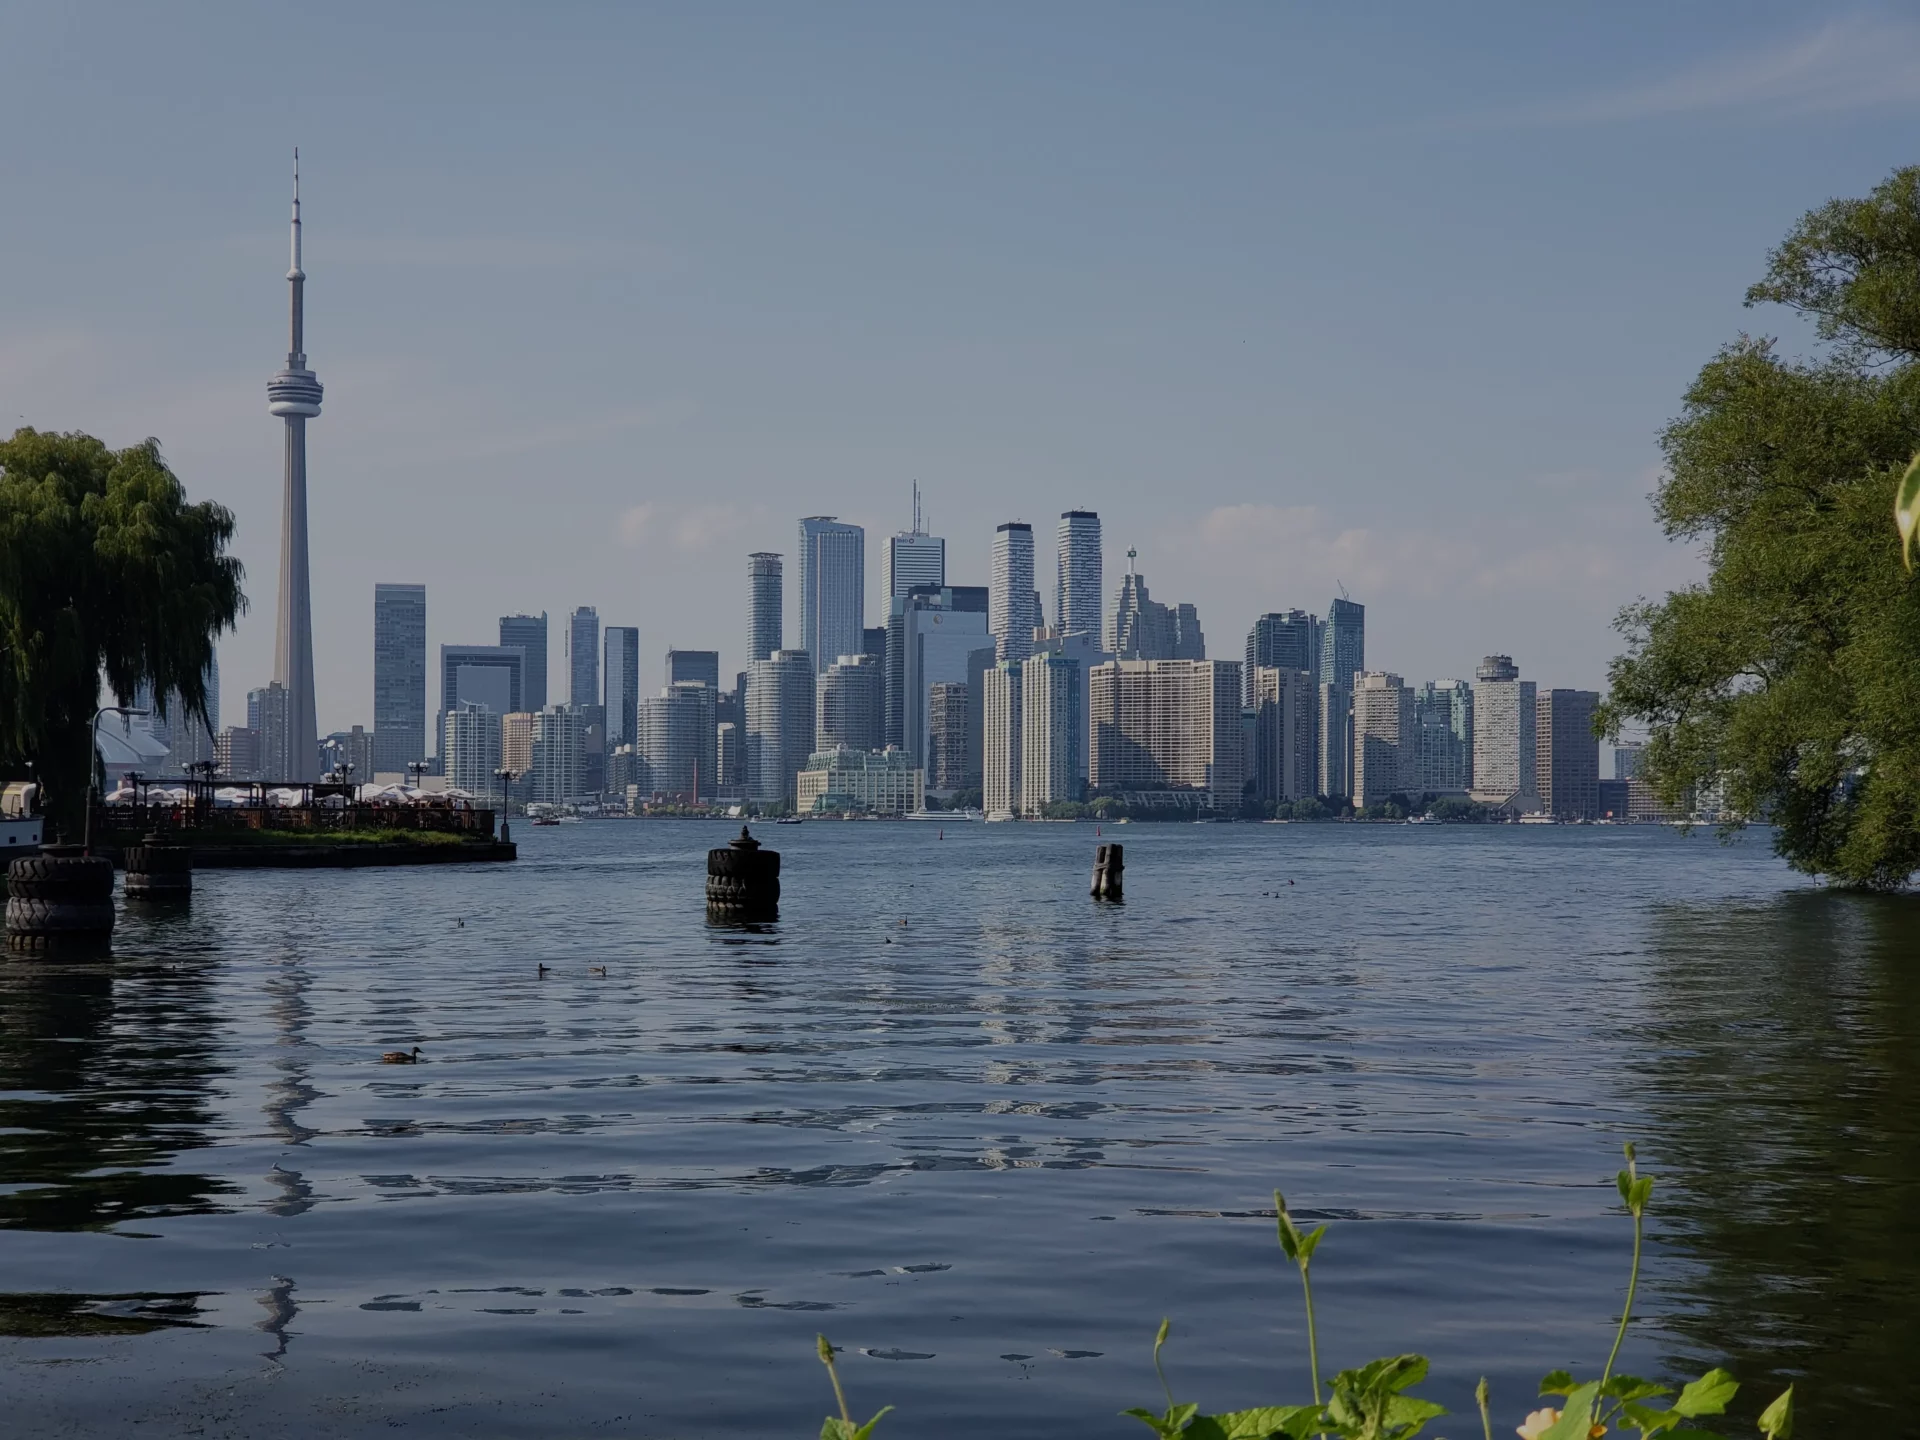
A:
545,390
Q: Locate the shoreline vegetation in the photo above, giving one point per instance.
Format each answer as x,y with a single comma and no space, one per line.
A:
1372,1403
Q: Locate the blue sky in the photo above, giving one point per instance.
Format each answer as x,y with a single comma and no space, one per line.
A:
605,297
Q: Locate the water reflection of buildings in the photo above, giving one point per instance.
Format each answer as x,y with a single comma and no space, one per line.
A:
1782,1087
106,1081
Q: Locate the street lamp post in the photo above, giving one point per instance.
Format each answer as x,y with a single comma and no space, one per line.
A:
416,768
506,778
93,751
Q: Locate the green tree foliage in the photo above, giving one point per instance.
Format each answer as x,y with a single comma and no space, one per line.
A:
1792,675
107,574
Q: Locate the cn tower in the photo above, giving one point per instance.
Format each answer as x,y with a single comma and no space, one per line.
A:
294,395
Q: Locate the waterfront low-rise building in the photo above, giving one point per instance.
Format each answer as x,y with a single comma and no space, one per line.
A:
869,782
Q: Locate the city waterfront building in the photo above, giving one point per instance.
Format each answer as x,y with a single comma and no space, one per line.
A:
1567,754
1010,601
1343,643
1141,628
516,742
1078,590
679,740
489,675
833,589
352,747
269,716
236,753
294,395
529,632
1053,732
726,758
621,685
583,657
471,747
1188,642
850,707
1626,761
780,703
1505,723
948,743
1332,740
558,743
1001,741
700,666
1168,731
1283,734
1386,747
765,598
915,557
931,635
189,741
1443,718
870,782
1282,640
399,676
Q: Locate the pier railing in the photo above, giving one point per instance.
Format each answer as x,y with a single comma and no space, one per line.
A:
465,822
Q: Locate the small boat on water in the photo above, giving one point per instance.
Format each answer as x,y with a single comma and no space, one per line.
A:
790,820
20,825
545,820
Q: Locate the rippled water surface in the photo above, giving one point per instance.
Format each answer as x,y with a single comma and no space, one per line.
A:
980,1131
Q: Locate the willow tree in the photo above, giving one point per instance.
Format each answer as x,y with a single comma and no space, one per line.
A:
1792,675
107,577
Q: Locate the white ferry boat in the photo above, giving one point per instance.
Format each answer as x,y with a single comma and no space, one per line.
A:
20,825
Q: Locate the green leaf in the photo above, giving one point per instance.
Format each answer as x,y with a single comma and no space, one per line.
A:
1776,1421
834,1428
1310,1243
1906,510
1650,1421
1153,1422
1410,1410
1708,1395
1576,1417
867,1429
1556,1382
1256,1424
1631,1387
1642,1192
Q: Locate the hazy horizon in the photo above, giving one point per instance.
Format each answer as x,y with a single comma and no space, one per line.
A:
604,301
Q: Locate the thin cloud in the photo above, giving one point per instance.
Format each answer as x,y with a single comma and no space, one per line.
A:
1858,62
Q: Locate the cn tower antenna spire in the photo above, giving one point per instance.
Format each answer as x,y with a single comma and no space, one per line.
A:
294,396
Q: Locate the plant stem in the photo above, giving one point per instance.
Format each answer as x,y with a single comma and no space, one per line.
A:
1313,1340
1633,1284
826,1358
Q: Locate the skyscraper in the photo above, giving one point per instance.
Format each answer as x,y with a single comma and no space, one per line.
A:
679,740
1283,748
851,708
930,637
622,680
1001,748
915,557
1169,726
1343,643
947,731
833,589
1144,629
1285,640
489,675
780,701
1505,721
1053,730
1079,591
700,665
471,747
294,395
1010,617
583,657
764,601
399,677
529,632
1567,754
269,715
1443,715
558,742
1332,740
1386,753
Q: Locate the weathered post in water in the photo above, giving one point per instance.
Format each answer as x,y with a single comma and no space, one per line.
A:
1109,872
157,871
59,902
743,880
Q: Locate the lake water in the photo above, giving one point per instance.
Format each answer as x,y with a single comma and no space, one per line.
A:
979,1130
